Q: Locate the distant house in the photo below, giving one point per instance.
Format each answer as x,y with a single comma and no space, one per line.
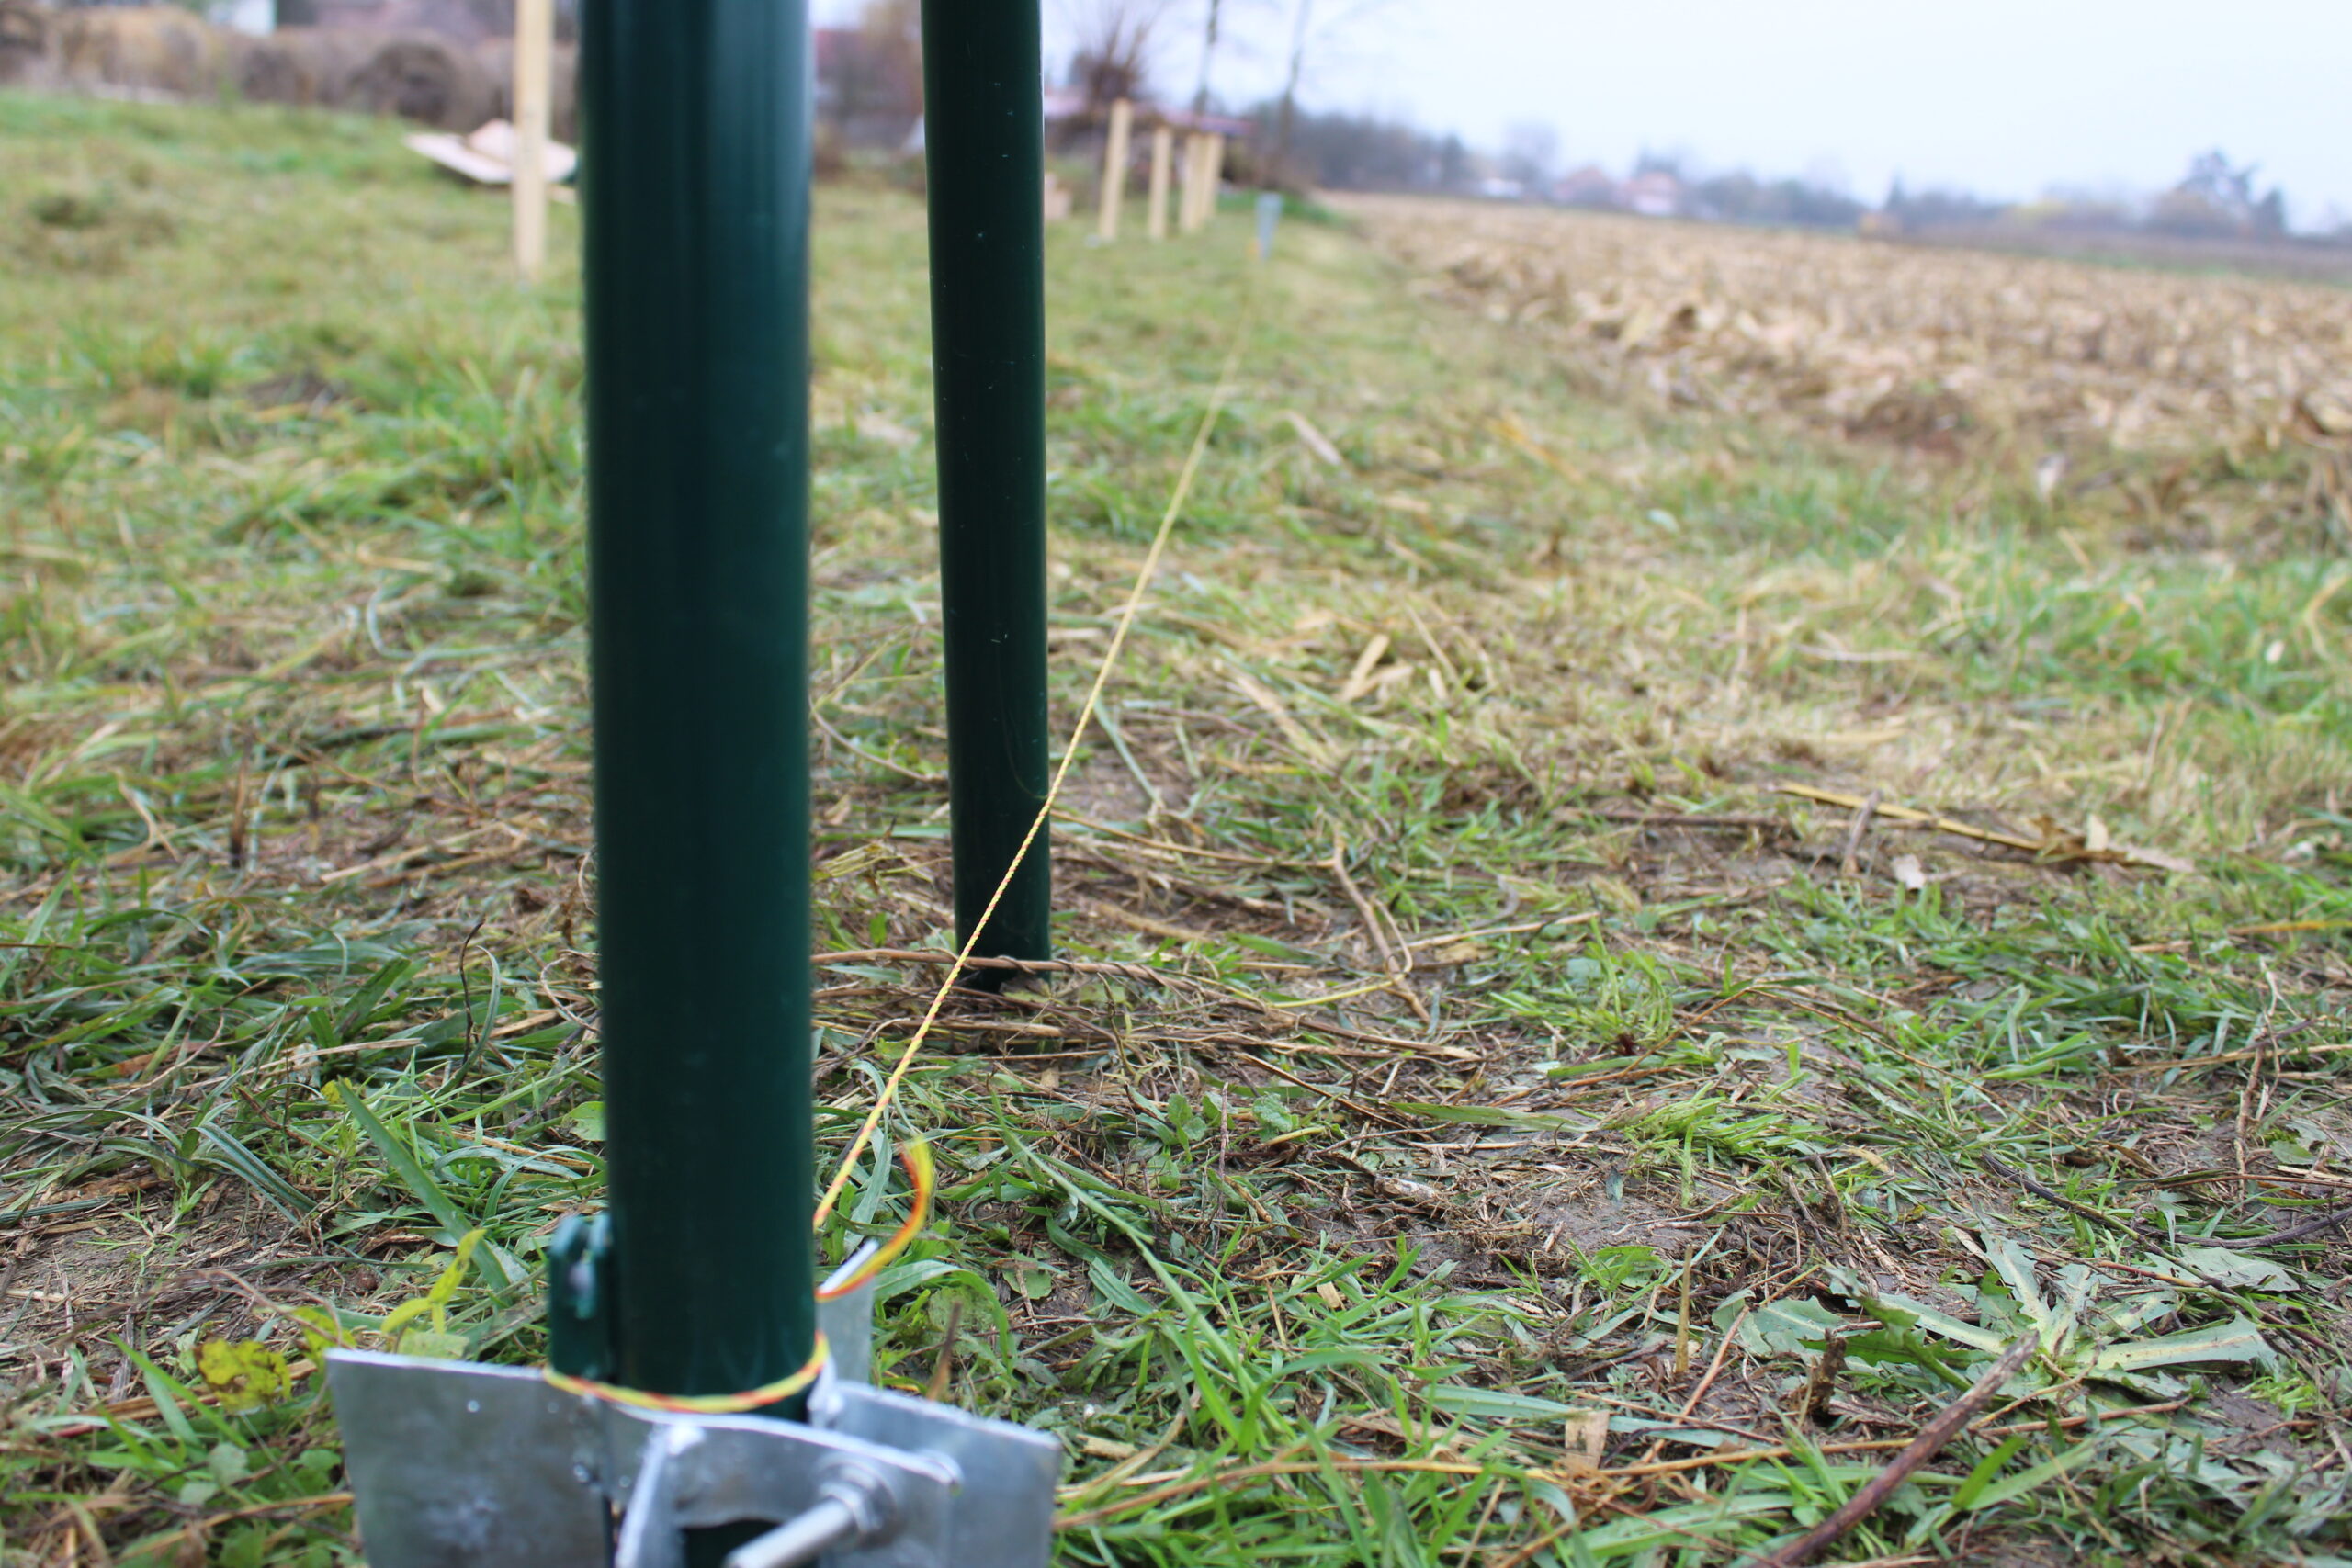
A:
1589,187
1657,194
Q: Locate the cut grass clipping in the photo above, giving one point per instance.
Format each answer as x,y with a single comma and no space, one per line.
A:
1618,951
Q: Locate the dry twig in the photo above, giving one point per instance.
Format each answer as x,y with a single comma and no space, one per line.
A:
1925,1447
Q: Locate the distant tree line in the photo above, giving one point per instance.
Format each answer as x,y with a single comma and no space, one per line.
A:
1368,152
1739,197
2216,199
1911,209
869,91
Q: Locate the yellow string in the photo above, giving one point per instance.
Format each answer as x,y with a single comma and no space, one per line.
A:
697,1404
925,1177
1069,755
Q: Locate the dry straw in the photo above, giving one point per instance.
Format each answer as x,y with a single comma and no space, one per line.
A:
1921,344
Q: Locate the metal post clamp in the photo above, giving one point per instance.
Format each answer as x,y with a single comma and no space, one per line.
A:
457,1464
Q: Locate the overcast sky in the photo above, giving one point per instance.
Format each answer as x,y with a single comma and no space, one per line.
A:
2006,97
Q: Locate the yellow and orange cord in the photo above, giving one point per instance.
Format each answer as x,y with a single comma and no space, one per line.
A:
696,1403
924,1176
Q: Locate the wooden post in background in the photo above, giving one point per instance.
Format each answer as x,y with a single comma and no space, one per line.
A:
1163,153
533,41
1203,164
1114,171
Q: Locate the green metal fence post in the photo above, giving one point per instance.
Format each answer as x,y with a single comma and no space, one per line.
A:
700,1276
695,198
984,141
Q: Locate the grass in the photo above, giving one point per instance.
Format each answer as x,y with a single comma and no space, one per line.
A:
1528,1246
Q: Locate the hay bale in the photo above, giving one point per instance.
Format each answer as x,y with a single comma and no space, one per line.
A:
28,41
145,49
422,78
303,65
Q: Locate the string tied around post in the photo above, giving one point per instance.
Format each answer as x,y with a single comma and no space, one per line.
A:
923,1175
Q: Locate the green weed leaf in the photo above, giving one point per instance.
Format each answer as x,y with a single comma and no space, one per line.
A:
1789,1328
2236,1340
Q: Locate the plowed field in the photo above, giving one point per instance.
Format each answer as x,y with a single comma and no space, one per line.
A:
2060,364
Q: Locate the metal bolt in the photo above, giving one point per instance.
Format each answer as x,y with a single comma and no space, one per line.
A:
855,1507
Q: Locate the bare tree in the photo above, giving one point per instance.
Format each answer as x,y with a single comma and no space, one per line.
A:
1113,59
1300,21
2217,199
1216,14
1306,34
869,78
1208,53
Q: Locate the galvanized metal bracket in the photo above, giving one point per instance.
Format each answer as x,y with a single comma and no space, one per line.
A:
457,1464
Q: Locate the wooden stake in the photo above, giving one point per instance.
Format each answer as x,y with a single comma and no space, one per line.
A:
533,41
1188,207
1163,152
1212,171
1114,171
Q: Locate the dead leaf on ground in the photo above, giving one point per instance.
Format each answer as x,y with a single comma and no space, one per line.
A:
1585,1439
1313,440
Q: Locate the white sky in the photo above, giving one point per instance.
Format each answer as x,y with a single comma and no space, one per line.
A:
2008,98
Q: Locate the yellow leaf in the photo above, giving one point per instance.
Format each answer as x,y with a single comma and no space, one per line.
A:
446,1285
245,1373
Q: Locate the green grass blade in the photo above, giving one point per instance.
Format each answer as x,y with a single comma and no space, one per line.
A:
419,1181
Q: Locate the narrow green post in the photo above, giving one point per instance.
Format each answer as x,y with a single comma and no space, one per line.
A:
695,207
984,145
